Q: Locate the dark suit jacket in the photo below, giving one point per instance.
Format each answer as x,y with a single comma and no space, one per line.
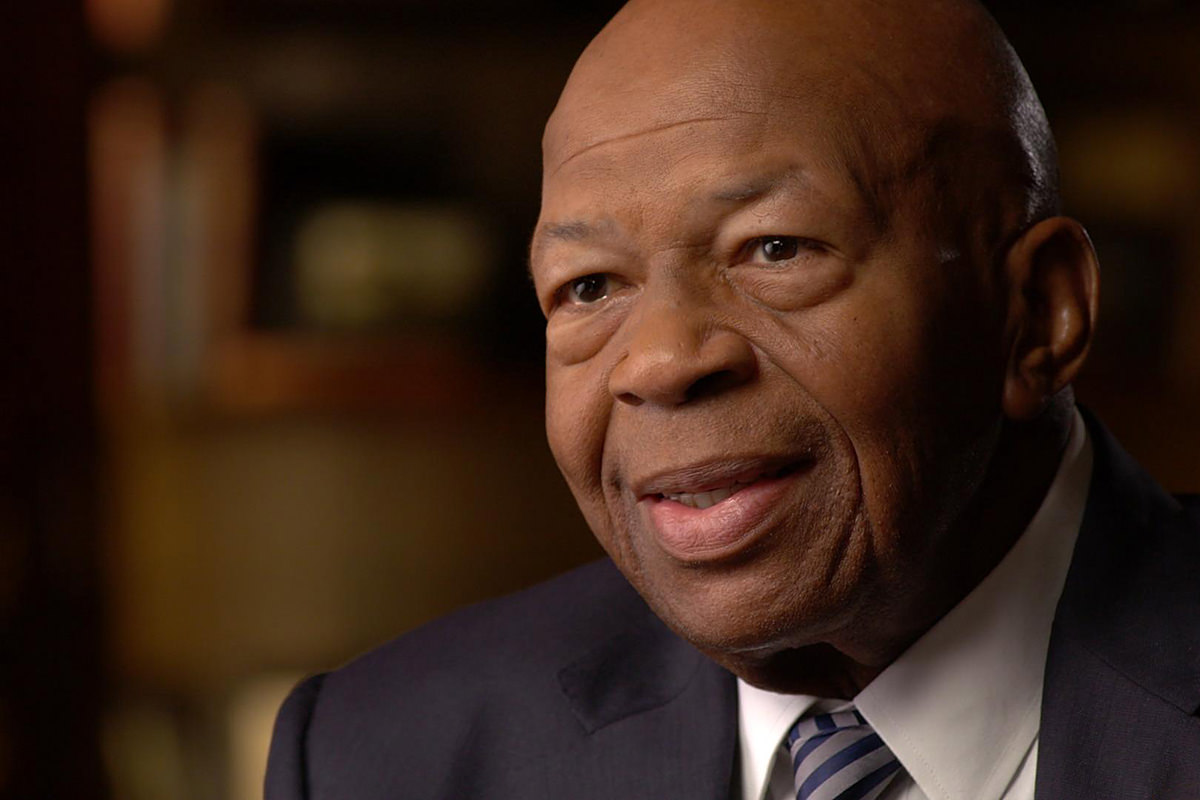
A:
574,689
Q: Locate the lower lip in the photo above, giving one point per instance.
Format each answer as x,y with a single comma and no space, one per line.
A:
696,535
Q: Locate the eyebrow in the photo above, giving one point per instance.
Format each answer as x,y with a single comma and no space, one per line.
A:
745,193
759,187
571,231
567,231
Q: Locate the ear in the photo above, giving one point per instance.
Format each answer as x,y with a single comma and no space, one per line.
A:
1054,286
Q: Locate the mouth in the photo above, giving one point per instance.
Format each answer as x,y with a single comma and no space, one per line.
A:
714,511
707,498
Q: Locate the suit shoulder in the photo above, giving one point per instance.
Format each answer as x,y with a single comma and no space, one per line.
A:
1191,504
485,656
407,713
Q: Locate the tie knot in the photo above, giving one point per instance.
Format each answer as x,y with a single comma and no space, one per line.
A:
839,757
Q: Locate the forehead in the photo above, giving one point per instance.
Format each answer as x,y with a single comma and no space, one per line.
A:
671,62
700,145
609,102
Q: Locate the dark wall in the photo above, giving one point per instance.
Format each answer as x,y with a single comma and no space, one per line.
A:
50,619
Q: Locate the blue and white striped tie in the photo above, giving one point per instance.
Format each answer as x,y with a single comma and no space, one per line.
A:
838,757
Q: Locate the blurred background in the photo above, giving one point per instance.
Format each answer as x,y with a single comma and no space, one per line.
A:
271,389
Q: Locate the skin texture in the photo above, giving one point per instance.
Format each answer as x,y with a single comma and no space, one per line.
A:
816,237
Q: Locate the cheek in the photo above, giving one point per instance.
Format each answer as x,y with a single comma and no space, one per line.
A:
867,356
866,362
577,412
911,408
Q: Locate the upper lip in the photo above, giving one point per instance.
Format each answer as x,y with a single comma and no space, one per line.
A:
705,476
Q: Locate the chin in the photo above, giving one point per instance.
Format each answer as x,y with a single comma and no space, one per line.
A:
800,581
743,615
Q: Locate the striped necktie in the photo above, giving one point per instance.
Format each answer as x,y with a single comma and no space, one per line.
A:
838,757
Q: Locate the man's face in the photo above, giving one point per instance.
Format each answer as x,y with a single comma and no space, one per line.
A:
767,371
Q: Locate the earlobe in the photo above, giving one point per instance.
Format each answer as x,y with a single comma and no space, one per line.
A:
1053,298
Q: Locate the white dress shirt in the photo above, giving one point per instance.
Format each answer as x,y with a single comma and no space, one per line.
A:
961,707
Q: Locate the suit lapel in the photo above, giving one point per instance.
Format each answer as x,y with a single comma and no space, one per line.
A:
1122,680
661,719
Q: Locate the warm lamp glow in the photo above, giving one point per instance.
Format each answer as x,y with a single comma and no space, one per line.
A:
360,264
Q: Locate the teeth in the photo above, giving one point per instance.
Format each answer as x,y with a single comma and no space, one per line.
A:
717,495
707,499
702,500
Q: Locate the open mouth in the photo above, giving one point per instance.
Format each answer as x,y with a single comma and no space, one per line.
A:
712,511
710,497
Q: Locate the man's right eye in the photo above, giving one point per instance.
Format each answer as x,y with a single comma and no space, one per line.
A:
584,291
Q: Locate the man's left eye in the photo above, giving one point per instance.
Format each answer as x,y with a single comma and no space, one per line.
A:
585,291
772,249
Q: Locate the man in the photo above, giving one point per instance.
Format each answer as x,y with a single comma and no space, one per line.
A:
812,319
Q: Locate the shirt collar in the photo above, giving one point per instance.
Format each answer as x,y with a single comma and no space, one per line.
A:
763,720
961,707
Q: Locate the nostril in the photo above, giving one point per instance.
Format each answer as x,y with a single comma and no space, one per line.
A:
629,398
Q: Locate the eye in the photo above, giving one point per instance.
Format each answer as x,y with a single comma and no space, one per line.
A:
778,248
773,250
585,291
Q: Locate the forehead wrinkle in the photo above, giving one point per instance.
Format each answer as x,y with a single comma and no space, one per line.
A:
660,128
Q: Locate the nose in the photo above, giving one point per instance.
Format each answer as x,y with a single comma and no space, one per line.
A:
677,353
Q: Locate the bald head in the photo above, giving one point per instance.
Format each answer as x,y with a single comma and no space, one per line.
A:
928,91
